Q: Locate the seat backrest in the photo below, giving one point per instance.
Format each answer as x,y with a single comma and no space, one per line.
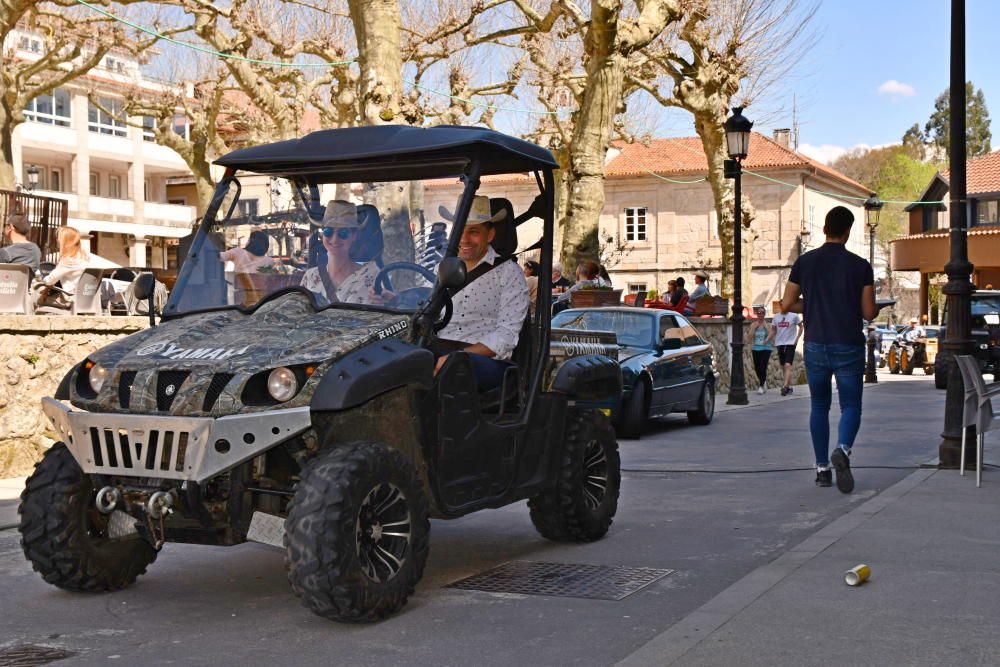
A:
15,281
971,374
87,300
369,243
970,403
505,239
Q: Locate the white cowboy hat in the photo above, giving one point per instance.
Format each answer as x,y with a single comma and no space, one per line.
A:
701,273
479,213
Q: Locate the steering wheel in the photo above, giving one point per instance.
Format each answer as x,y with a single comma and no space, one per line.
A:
413,297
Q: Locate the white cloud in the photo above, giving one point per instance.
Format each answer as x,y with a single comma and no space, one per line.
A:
895,88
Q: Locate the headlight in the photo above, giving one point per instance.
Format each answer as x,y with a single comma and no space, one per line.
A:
282,384
97,377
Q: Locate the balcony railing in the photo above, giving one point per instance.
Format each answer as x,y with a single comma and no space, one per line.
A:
46,214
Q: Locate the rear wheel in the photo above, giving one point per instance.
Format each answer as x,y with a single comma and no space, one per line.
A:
703,415
357,533
892,360
635,412
582,504
66,539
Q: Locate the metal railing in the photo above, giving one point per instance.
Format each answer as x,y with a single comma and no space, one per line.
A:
46,215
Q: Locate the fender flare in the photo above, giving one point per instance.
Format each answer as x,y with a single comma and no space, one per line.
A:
374,369
591,378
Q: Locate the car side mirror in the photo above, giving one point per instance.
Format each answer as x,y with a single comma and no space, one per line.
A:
672,344
451,272
145,288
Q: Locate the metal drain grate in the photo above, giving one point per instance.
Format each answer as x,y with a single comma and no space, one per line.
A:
597,582
29,655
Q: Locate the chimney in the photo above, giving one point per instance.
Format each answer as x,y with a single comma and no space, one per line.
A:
783,137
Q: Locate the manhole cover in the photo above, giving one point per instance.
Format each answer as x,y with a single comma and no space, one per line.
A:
597,582
30,656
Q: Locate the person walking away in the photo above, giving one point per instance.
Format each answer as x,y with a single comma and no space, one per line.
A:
787,331
19,249
833,289
761,333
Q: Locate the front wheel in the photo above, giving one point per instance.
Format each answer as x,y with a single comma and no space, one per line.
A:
905,363
582,503
702,416
634,413
66,539
357,533
893,360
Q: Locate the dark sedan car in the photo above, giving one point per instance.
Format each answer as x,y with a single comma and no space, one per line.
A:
666,365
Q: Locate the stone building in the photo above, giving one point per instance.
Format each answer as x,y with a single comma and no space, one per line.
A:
660,214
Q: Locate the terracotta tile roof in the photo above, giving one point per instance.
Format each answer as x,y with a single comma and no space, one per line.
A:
982,174
684,155
974,231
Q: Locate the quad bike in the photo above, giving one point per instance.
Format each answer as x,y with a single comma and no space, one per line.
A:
258,408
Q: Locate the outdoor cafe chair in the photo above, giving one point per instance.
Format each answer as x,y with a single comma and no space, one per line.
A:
87,300
15,292
977,409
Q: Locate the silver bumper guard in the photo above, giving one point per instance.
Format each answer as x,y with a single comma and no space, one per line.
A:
165,447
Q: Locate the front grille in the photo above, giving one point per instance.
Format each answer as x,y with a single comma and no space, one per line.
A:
163,450
125,389
168,385
215,387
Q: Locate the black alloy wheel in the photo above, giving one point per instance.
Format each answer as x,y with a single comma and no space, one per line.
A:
383,532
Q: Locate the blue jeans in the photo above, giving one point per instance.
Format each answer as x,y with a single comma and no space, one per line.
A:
489,371
847,364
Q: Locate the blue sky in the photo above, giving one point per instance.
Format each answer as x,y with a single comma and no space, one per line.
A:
900,46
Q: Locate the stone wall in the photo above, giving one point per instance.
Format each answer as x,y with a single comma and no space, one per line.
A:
35,355
716,331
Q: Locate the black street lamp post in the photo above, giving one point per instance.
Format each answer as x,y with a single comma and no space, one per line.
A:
873,205
737,144
959,288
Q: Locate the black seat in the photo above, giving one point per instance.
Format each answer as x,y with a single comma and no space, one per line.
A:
505,239
369,243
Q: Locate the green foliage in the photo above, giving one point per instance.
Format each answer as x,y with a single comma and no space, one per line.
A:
977,120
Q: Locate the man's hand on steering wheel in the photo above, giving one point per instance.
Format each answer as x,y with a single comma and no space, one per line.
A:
412,297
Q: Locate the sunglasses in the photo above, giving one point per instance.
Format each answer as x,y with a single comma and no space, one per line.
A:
342,233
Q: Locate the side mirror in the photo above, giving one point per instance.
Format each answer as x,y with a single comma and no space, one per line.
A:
145,287
672,344
451,272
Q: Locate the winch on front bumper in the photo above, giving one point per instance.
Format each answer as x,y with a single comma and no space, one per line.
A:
170,447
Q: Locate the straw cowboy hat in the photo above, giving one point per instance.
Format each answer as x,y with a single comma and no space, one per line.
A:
341,213
701,273
478,215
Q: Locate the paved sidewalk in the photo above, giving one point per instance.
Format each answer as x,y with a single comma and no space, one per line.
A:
931,541
10,493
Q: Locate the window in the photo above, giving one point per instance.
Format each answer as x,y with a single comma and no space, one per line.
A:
634,288
635,223
114,64
30,44
177,201
670,331
148,127
986,212
55,180
52,109
95,185
691,336
115,187
247,207
180,126
101,122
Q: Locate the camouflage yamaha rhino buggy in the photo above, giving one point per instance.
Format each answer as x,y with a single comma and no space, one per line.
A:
257,407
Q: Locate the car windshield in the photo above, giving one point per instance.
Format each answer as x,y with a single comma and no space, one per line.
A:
632,329
931,332
985,305
272,234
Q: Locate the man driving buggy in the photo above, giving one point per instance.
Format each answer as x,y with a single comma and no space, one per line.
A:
489,311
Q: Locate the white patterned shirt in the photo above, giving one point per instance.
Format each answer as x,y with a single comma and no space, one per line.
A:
491,309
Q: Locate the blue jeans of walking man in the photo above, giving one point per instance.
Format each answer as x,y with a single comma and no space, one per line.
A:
847,364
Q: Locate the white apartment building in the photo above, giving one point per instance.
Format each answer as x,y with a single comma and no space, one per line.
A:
113,175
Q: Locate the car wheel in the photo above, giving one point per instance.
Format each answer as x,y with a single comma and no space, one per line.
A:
905,363
66,539
357,533
893,360
582,503
706,406
635,412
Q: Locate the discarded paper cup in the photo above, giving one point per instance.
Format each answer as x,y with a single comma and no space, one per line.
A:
857,575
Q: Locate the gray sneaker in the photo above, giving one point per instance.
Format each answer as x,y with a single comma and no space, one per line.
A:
842,464
824,477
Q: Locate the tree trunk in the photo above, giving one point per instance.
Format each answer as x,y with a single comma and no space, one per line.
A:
591,136
377,31
8,179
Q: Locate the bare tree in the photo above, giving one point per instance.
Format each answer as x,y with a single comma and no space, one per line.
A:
723,51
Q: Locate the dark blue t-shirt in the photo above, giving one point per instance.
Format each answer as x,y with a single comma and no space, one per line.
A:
832,278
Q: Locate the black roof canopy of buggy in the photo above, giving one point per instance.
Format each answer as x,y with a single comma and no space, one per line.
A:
390,153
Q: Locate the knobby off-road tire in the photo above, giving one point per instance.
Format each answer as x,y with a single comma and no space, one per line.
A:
706,406
582,504
905,362
635,412
344,552
893,360
64,536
